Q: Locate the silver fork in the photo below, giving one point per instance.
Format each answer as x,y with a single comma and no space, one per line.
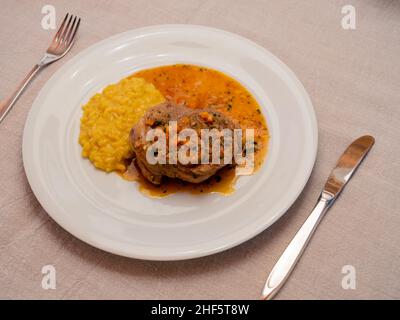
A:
60,45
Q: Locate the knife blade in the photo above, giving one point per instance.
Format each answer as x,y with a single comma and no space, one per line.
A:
347,164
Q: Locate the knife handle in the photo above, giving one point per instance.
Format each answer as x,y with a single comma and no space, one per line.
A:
292,253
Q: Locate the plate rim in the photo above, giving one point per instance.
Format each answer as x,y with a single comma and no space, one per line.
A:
47,206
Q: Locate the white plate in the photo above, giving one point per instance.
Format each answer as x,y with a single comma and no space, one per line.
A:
110,213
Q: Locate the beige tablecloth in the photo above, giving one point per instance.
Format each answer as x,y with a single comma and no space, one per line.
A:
353,79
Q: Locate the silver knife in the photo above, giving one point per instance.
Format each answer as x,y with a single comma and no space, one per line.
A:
346,166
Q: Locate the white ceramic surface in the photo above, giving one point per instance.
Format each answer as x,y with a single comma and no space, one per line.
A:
110,213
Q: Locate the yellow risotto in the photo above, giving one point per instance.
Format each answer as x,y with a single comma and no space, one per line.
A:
108,118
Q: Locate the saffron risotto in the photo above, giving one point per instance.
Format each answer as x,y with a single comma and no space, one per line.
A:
108,118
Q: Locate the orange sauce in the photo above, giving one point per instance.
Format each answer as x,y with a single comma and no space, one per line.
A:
222,182
200,87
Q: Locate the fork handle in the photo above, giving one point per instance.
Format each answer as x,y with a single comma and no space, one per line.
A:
7,104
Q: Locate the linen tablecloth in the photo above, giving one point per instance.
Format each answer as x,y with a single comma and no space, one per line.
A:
352,77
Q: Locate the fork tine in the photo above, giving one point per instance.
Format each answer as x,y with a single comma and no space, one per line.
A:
70,31
64,32
57,35
74,33
65,36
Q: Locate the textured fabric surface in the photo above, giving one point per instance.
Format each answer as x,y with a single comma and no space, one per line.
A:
352,77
